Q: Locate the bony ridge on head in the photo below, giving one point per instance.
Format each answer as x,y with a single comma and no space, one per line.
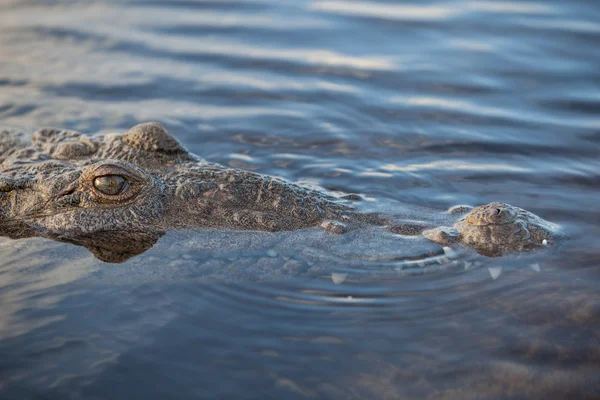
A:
153,137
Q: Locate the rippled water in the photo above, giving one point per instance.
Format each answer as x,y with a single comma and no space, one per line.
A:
415,105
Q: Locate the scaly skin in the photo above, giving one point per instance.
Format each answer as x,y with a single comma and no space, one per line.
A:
50,185
89,190
496,229
48,189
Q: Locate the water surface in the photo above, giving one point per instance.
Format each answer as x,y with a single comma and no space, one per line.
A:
416,106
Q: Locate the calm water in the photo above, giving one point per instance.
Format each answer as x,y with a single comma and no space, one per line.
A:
417,106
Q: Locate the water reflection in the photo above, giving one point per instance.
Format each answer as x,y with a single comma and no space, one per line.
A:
510,7
415,12
450,341
387,11
455,165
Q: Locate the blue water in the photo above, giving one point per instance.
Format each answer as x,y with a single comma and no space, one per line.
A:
419,105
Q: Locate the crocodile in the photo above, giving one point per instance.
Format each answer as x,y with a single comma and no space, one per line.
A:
117,193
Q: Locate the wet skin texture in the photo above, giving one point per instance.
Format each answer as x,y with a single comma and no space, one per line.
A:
116,194
496,229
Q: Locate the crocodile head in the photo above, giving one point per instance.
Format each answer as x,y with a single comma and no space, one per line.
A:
496,229
113,191
83,204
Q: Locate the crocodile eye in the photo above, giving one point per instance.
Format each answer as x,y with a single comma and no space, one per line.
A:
110,184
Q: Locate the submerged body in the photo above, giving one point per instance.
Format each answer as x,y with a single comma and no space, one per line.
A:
84,189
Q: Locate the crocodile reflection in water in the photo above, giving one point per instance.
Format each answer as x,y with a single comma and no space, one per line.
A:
116,194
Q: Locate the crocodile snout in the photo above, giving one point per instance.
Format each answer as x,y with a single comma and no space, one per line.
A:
23,197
